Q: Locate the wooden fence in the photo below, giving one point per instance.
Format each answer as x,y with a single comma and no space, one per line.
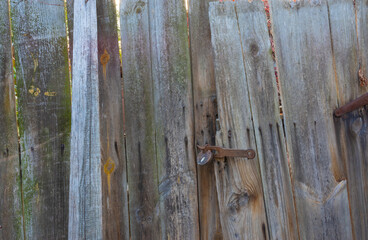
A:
117,160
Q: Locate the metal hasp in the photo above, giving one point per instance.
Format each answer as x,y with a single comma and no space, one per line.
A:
207,153
353,105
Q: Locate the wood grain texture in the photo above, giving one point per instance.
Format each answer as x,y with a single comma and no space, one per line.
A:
43,92
261,80
308,87
238,180
85,197
205,112
10,195
115,216
351,129
173,103
140,120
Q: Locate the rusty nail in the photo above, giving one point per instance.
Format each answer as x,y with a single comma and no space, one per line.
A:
353,105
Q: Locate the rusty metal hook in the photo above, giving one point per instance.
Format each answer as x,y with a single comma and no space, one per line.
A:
353,105
209,152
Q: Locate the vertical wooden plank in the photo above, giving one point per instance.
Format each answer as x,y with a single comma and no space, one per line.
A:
85,197
345,49
173,102
115,217
10,195
44,115
140,120
351,128
305,62
362,21
70,19
238,180
268,128
205,112
352,138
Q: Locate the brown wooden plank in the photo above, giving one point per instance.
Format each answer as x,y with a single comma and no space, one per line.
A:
140,120
11,220
41,56
85,195
173,103
70,20
205,112
351,128
269,134
115,217
306,71
238,180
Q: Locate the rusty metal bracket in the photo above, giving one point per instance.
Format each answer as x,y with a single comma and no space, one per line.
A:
353,105
208,152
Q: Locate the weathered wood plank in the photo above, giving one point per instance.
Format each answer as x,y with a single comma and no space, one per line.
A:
305,63
205,112
115,216
44,115
174,119
261,79
10,192
350,131
362,31
140,120
70,19
85,197
238,180
345,49
361,142
352,135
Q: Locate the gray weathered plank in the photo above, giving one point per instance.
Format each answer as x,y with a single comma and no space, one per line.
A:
43,91
140,120
238,180
345,49
10,195
174,119
361,142
261,79
362,31
350,131
308,88
205,111
352,136
115,217
85,195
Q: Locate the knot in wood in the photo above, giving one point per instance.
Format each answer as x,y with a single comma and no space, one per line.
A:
357,125
109,166
254,49
105,58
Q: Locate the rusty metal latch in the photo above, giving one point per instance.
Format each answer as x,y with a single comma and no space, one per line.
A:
208,152
353,105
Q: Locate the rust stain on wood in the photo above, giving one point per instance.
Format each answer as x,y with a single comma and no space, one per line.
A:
105,58
109,168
